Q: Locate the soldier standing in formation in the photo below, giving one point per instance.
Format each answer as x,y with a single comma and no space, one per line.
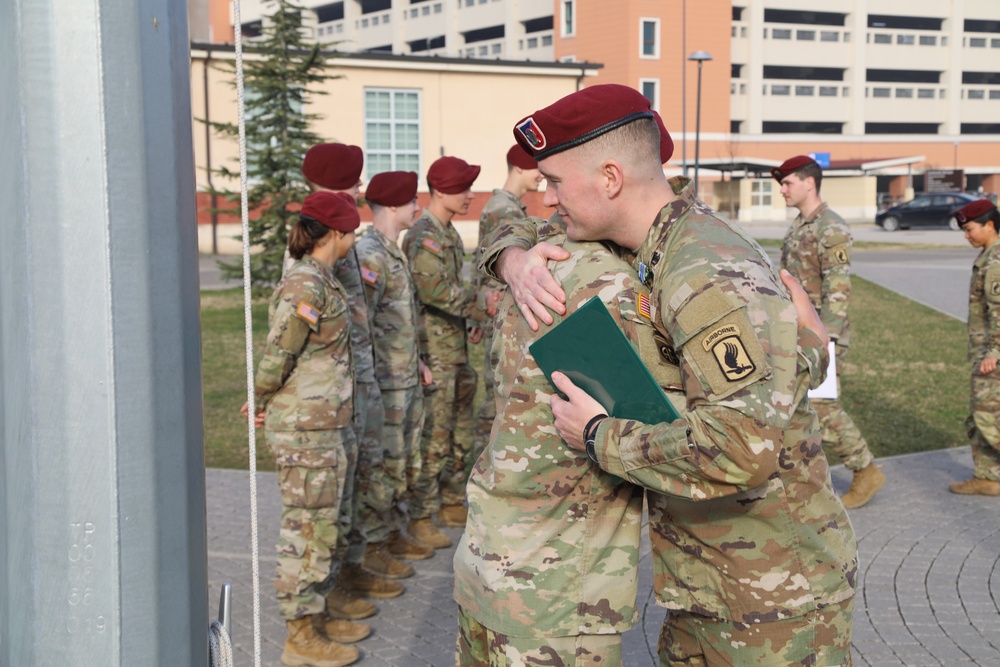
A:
304,391
367,571
505,205
435,252
980,221
753,550
401,375
817,251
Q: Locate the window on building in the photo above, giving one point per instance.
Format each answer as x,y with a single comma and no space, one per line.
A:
805,35
437,8
743,31
906,39
977,42
881,92
385,19
845,92
995,94
375,20
801,127
425,11
925,93
882,38
532,42
943,93
761,192
414,12
995,43
497,49
827,91
650,88
829,36
901,128
928,40
980,128
980,25
900,22
568,18
392,130
364,23
781,33
649,38
977,94
847,37
484,50
777,89
735,126
805,91
546,40
905,93
803,73
804,17
944,40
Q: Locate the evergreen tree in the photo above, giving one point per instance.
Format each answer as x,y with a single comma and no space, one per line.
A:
276,80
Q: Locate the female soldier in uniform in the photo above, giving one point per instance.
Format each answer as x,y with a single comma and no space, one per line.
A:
304,388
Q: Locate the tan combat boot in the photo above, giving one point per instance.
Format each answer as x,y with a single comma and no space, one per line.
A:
864,486
341,631
305,647
453,516
341,603
424,530
379,561
401,545
976,487
355,579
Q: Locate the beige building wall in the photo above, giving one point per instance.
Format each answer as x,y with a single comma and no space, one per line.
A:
467,109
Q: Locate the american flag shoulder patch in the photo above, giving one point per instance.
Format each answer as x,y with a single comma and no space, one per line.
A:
432,245
644,306
369,276
307,312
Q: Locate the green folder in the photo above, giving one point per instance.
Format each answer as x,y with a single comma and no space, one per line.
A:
590,348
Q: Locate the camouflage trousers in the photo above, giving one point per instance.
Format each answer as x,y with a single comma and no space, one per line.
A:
478,646
840,434
404,420
312,470
356,520
446,439
983,424
488,408
821,638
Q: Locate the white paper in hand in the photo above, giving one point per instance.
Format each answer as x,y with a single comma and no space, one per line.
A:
829,387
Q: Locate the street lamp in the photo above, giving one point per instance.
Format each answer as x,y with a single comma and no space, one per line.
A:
699,57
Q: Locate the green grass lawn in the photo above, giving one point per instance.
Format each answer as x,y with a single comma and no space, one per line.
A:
905,381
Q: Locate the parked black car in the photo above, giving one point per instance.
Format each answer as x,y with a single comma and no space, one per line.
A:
925,210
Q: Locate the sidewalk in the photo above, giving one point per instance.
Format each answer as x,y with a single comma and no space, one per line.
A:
928,593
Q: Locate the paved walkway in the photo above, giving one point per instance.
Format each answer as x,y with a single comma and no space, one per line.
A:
929,584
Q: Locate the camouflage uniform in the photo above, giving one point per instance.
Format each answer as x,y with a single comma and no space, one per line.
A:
983,424
748,529
435,253
364,483
551,547
502,207
817,252
390,291
305,384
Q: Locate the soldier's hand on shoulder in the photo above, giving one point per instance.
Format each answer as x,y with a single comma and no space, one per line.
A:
535,291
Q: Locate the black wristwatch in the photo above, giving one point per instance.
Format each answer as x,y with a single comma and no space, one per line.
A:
590,435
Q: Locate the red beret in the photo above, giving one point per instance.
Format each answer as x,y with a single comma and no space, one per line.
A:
333,166
516,157
666,143
580,117
790,166
336,210
451,175
973,210
392,188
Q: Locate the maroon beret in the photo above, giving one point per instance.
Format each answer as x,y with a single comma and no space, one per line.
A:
790,166
336,210
452,175
666,143
516,157
973,210
333,166
580,117
392,188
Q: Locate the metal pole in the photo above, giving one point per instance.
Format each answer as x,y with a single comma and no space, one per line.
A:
102,480
697,133
684,84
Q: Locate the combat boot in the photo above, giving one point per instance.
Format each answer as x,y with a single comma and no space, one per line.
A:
976,487
424,531
305,647
401,545
453,516
379,561
360,581
341,603
339,630
864,486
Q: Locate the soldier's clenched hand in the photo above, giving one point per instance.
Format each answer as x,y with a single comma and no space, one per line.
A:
572,415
